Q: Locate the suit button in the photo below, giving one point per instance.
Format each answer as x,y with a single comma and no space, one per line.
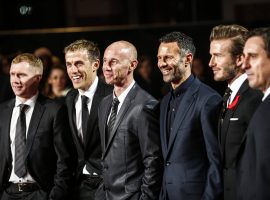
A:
168,163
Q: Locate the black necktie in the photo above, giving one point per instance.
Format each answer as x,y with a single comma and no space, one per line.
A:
85,115
111,122
226,96
20,143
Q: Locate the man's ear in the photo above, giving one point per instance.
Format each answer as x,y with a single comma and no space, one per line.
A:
188,59
96,65
133,65
38,77
239,60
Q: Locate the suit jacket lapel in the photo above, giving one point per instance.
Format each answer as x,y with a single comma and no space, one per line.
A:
182,110
163,122
103,118
34,123
72,115
6,131
93,112
229,114
125,106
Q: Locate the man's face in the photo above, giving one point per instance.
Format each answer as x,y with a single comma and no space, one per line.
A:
170,63
223,64
81,69
23,79
257,63
117,66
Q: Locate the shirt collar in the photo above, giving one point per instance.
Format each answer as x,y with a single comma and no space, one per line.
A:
30,102
267,92
91,90
183,87
122,96
236,84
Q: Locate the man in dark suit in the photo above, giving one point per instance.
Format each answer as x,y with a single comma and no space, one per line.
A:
82,62
254,168
188,126
36,161
131,156
226,49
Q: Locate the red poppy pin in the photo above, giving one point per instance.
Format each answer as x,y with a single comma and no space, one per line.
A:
232,105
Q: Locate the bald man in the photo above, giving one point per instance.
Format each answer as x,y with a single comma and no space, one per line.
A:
129,129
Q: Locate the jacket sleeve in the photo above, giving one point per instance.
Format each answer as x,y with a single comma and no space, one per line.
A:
66,157
209,121
149,138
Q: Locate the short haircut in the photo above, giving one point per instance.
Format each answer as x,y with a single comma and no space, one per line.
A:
91,48
237,34
184,42
34,61
264,33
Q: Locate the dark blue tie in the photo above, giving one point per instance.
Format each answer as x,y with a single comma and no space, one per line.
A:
20,143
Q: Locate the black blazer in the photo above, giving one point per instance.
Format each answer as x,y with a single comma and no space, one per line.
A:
90,152
191,155
254,168
232,134
132,162
48,155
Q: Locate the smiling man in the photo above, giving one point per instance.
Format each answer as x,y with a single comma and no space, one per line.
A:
82,62
188,126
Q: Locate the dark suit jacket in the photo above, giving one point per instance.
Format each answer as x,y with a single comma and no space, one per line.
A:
132,162
191,156
232,134
48,157
89,153
254,169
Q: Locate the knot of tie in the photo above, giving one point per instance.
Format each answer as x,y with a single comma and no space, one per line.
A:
226,95
84,100
23,108
115,103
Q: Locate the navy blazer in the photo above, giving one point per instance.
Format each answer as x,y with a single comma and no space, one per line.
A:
192,156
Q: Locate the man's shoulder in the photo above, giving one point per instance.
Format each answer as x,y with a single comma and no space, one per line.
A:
104,88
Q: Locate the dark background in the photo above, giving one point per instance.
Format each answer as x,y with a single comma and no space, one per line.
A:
28,24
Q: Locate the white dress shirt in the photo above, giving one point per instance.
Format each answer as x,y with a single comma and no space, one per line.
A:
15,114
235,86
78,107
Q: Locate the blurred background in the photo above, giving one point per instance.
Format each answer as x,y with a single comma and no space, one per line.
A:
27,25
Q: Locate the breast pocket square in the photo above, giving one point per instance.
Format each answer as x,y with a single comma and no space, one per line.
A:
234,119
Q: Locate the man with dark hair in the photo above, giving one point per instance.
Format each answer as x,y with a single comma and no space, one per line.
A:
188,126
254,166
82,62
226,49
